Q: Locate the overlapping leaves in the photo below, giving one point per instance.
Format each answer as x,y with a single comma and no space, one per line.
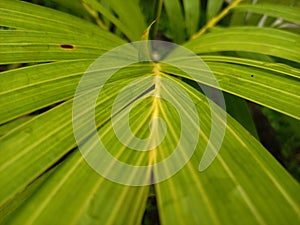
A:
45,180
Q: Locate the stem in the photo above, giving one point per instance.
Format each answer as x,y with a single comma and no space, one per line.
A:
216,19
158,13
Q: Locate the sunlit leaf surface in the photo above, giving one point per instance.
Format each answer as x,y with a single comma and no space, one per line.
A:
46,180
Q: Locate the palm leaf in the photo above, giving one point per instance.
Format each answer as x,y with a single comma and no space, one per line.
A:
285,12
192,11
45,179
279,92
213,7
192,197
176,22
283,44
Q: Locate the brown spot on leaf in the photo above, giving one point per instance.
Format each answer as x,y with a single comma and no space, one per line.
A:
67,46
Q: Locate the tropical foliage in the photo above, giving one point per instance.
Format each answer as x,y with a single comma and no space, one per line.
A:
252,49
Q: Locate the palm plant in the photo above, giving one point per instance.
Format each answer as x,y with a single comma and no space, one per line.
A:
252,50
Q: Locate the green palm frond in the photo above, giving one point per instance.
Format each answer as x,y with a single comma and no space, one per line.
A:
46,180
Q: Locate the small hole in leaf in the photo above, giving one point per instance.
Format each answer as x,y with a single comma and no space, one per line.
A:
67,46
252,75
